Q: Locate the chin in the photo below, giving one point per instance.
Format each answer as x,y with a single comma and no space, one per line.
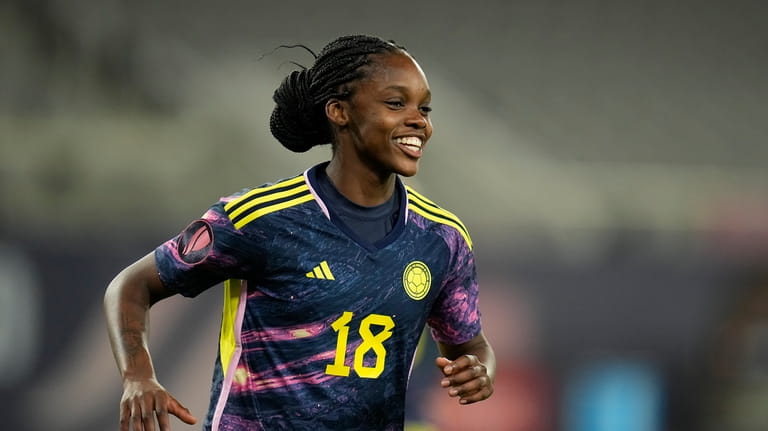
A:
408,169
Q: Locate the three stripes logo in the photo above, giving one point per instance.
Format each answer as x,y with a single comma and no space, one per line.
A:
322,271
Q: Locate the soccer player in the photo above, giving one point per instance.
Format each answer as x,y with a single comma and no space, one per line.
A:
329,276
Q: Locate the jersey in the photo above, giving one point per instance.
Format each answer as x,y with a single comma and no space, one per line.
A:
319,327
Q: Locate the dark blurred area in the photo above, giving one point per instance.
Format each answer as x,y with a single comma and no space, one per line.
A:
608,158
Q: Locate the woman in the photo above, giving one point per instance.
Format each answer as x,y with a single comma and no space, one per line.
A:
330,276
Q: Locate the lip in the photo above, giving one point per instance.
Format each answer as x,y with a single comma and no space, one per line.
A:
409,150
412,135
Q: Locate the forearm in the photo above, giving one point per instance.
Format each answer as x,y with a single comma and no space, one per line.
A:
127,301
127,314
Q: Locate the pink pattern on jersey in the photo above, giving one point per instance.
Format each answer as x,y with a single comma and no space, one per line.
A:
283,334
455,318
271,379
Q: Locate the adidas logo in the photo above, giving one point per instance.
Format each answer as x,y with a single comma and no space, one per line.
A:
322,271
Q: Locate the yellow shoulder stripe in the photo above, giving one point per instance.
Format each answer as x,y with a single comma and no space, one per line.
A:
263,190
264,200
433,207
256,201
272,208
429,210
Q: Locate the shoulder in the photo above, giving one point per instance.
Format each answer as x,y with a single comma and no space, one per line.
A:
248,205
421,205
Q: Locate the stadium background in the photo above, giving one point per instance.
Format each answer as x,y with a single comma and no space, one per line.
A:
609,159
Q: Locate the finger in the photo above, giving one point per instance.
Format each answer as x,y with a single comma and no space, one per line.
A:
476,390
136,416
470,387
148,414
181,412
465,361
125,416
468,374
483,394
465,388
161,412
455,374
459,364
442,362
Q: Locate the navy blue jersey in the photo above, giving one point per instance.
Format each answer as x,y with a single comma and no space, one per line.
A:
320,327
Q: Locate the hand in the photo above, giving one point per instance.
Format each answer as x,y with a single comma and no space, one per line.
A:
143,400
466,378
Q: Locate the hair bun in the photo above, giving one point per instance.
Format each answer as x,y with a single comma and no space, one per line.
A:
295,118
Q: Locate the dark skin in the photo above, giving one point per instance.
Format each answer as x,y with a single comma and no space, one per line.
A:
380,132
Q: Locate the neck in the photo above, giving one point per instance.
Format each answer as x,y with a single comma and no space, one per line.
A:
360,185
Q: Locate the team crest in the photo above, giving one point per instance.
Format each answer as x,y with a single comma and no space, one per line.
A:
416,280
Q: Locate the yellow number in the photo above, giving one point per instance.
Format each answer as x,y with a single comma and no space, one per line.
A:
371,341
340,325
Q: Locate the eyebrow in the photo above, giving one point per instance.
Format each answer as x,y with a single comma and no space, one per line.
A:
404,89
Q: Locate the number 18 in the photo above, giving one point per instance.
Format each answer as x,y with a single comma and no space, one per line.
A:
371,341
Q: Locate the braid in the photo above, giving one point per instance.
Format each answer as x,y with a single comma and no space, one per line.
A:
298,120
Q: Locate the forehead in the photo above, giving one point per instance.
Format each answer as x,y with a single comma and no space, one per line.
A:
395,70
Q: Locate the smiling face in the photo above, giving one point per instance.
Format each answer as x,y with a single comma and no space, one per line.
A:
384,126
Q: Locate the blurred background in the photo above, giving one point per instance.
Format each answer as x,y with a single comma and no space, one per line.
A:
609,159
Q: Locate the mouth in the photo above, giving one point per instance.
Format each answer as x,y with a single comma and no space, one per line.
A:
411,145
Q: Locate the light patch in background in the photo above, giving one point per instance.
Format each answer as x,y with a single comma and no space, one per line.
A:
614,394
19,316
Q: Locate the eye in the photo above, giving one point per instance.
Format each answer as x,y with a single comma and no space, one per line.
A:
425,109
396,104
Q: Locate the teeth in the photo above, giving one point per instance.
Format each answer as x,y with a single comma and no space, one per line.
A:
411,141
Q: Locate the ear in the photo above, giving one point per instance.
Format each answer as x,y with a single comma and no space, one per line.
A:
336,111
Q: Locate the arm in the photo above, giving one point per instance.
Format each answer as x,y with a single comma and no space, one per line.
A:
469,369
126,304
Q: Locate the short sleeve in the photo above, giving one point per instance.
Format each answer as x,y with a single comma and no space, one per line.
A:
455,316
208,251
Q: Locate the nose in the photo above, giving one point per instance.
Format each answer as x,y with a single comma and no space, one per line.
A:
417,119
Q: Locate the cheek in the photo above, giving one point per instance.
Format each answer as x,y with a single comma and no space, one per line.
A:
381,125
370,120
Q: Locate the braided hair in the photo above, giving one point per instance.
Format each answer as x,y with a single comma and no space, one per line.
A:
298,120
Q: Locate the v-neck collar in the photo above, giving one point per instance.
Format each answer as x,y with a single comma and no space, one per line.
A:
310,176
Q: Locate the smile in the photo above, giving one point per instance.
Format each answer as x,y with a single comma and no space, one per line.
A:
411,142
